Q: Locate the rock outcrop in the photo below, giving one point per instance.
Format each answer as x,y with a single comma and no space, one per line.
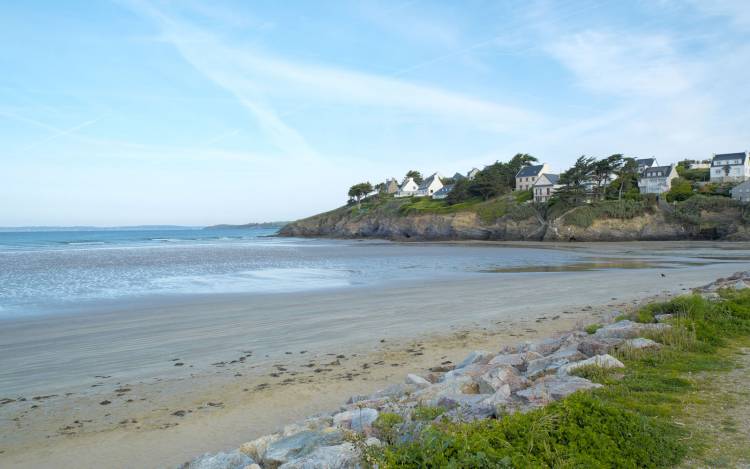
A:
524,223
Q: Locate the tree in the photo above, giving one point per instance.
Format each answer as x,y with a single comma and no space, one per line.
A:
681,190
601,173
416,175
627,176
358,191
575,181
494,180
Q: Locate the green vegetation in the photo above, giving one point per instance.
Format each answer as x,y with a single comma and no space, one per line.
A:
488,211
493,181
696,175
387,425
358,191
681,190
584,216
426,413
591,328
635,420
691,210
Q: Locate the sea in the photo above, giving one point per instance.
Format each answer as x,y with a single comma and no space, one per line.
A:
45,272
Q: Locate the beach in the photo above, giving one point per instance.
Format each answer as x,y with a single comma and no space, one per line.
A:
166,381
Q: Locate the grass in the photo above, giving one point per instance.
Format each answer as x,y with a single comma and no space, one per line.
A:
592,328
635,420
488,210
585,215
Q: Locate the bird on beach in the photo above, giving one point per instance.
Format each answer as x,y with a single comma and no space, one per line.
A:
662,275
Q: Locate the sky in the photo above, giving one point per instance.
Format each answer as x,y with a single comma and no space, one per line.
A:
125,112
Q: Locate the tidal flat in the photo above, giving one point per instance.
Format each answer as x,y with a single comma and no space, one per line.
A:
156,382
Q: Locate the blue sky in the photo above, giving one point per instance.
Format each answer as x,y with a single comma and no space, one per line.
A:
195,112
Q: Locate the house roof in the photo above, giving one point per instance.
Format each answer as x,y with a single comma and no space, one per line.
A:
458,177
652,172
530,171
645,161
426,183
730,156
553,179
444,190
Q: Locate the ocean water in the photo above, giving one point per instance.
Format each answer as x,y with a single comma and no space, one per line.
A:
49,272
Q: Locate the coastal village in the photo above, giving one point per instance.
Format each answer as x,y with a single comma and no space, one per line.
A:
728,171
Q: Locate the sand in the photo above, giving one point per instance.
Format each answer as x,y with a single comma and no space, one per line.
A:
163,382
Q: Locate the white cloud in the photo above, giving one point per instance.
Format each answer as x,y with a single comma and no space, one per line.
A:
628,64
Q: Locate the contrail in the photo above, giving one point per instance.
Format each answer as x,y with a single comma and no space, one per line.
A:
63,133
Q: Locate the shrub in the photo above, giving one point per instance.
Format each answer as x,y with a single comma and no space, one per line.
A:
691,210
387,426
592,328
426,413
580,431
585,215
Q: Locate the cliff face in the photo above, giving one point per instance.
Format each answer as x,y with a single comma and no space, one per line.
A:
453,226
660,224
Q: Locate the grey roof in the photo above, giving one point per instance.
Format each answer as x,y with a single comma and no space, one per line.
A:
458,177
426,183
530,171
553,178
652,172
730,156
444,190
645,161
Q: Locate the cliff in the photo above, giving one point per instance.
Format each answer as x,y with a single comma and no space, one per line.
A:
507,219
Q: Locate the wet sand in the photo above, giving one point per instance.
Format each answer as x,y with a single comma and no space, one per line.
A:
162,383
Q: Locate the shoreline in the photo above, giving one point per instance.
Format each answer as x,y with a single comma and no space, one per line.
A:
209,408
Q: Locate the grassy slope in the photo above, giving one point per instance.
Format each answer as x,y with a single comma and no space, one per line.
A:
646,416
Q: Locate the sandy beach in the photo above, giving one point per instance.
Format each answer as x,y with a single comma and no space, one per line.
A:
153,384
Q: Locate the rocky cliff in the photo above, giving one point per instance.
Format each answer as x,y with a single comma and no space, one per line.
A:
694,221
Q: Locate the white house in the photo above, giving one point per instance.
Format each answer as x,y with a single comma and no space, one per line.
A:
657,179
443,192
528,175
730,167
473,173
545,186
741,192
429,186
408,188
645,163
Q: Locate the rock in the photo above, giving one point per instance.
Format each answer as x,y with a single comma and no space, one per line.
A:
253,466
555,387
663,317
552,362
466,408
591,346
628,329
519,360
372,441
299,445
256,449
471,371
232,460
459,385
546,346
359,420
343,456
501,396
477,356
602,361
394,391
640,343
417,381
501,376
740,285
